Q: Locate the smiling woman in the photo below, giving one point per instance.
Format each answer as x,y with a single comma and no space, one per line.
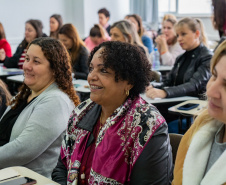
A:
201,155
33,126
118,138
33,29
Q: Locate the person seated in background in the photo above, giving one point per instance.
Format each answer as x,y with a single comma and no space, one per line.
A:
125,31
69,36
116,137
104,16
201,154
167,44
137,21
5,97
33,126
33,29
165,17
219,19
97,35
191,70
55,23
4,45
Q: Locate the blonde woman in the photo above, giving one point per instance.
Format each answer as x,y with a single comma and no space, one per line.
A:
167,44
201,155
125,31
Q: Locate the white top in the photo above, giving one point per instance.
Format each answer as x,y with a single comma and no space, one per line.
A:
169,57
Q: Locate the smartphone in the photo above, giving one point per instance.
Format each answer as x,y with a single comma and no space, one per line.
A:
19,181
188,106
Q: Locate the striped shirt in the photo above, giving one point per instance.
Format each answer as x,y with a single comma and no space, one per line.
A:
22,59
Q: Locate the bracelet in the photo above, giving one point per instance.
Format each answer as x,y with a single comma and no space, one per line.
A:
163,52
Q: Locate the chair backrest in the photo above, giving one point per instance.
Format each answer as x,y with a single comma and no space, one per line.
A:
156,76
174,142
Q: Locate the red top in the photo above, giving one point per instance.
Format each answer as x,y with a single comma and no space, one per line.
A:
87,158
5,45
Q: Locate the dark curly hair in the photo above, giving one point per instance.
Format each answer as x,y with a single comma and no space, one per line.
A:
129,63
59,60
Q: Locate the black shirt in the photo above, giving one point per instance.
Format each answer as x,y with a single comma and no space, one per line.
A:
184,66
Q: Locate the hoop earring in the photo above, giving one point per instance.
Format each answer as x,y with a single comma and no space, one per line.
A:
127,92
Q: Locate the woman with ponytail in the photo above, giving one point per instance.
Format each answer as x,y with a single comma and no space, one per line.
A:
191,72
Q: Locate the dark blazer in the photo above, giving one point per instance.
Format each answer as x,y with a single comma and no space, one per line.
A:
80,66
195,78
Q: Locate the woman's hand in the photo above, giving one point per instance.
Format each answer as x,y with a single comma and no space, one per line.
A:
2,54
153,93
162,43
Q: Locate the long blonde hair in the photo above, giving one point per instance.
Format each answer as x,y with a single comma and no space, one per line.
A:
194,24
204,117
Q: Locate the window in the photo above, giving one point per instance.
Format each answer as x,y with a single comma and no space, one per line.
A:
194,7
185,6
167,6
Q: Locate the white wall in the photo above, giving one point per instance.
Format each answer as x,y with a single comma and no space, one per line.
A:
14,14
118,9
81,13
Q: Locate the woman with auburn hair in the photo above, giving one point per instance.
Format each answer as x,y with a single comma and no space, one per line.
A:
219,19
69,36
55,23
137,21
4,45
32,127
201,154
33,29
167,44
97,35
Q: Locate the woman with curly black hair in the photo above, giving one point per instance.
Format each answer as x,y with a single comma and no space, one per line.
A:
116,137
33,126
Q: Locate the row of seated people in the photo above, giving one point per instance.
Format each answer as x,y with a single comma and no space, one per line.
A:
108,140
120,140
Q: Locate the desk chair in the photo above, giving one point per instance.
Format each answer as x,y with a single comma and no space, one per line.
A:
174,142
156,76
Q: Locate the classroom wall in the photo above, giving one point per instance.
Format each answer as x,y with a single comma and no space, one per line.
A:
81,13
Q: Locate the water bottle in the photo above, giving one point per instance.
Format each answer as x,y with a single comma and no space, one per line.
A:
155,59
